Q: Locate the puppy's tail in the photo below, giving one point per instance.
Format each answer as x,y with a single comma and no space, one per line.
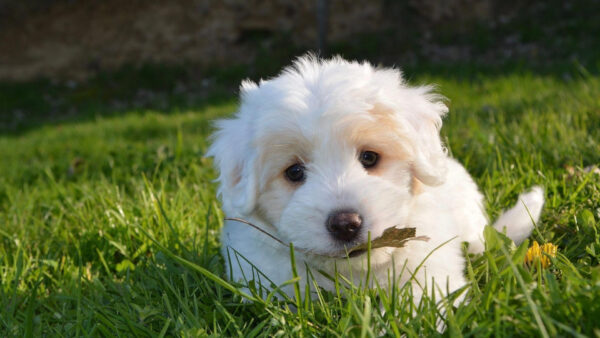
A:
519,220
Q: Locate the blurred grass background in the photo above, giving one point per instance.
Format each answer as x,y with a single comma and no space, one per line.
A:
100,128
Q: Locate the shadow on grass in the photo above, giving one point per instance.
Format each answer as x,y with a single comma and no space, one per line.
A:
30,105
168,89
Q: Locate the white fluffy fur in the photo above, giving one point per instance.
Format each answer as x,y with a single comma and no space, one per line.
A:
322,113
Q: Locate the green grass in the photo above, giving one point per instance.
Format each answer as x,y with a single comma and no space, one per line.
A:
109,222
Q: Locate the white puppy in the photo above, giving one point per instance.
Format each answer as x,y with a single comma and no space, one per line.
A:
331,150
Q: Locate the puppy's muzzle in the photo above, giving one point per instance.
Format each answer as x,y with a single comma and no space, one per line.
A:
344,224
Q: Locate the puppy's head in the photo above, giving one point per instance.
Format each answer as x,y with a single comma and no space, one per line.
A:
328,151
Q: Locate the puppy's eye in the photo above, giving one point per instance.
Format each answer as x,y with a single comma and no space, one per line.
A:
368,159
295,173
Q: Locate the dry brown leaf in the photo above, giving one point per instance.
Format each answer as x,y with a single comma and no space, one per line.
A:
391,237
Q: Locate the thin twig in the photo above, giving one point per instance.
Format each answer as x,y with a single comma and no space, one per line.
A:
357,248
257,228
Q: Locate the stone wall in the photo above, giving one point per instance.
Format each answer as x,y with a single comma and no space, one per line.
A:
74,39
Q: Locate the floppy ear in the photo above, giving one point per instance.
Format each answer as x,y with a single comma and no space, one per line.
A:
418,113
235,159
427,110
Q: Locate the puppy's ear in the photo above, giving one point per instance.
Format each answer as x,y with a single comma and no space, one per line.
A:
430,155
235,159
418,113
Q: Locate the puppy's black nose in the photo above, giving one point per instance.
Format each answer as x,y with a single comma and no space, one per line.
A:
344,224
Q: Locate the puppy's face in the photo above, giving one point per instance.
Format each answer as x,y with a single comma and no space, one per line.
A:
326,182
328,152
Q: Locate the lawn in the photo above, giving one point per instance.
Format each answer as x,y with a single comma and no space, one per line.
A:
109,222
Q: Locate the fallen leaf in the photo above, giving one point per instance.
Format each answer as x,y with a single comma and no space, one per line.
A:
391,237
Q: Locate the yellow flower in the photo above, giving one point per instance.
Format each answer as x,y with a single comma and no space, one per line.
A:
541,253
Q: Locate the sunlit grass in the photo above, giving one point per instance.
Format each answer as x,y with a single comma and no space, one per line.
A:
109,224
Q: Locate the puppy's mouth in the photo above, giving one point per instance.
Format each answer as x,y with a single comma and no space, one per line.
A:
357,253
345,253
391,237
